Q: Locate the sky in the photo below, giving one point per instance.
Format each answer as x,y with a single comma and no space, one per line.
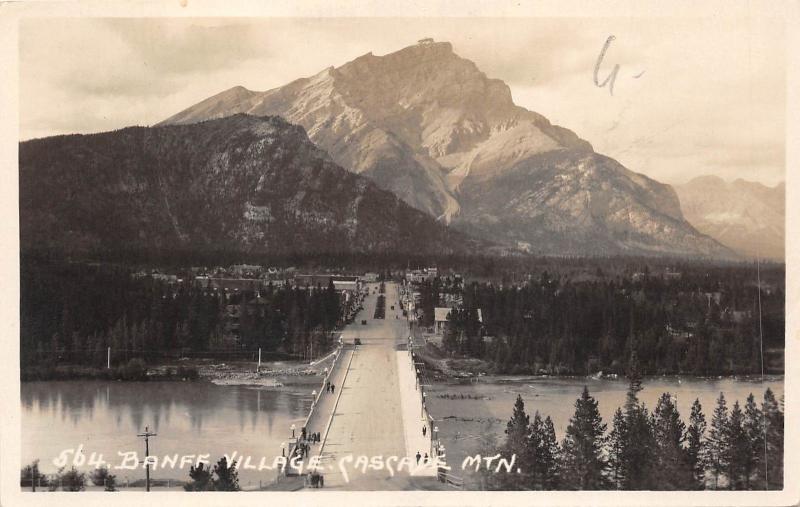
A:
691,97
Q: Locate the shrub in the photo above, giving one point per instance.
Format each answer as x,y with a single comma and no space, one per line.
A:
71,480
134,369
31,476
99,476
188,372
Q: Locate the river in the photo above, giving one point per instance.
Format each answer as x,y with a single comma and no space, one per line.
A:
465,423
199,417
190,418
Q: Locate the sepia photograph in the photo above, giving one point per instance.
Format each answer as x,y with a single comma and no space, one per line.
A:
443,253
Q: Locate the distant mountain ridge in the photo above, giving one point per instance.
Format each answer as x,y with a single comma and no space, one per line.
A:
241,183
433,129
747,216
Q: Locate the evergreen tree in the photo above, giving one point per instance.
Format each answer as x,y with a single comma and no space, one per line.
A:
717,443
773,420
534,452
737,448
674,470
616,446
696,446
583,462
636,453
754,429
227,476
201,479
549,456
543,454
517,435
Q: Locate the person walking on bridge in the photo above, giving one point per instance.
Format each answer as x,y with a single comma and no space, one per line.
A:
333,388
424,430
418,457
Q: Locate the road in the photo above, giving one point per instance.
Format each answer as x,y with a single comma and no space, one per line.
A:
378,412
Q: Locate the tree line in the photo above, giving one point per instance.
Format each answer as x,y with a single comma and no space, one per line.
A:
70,312
741,448
708,322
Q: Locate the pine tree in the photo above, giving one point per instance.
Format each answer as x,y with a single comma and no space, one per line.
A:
227,476
696,446
550,456
583,462
638,456
616,446
674,472
635,455
773,420
542,454
201,479
517,435
754,429
717,440
535,451
737,448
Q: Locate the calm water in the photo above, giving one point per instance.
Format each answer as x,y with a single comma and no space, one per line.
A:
464,423
203,418
189,417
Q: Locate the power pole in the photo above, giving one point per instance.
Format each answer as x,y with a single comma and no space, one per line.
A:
147,436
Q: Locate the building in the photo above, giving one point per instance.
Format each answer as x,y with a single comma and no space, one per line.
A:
440,319
345,285
322,280
249,270
232,284
370,277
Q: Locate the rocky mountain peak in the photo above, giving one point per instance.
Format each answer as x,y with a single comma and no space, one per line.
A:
432,128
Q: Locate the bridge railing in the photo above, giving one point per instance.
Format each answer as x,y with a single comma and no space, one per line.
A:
436,447
293,444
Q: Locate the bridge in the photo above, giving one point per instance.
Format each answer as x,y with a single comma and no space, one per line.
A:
377,410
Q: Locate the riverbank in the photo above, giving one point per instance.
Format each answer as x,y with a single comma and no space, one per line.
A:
216,371
443,367
134,370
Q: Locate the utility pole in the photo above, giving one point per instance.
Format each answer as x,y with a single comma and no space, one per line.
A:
147,436
259,360
108,359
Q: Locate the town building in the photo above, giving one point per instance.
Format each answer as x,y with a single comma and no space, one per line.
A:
440,319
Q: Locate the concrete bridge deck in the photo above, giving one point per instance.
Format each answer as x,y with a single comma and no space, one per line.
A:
376,410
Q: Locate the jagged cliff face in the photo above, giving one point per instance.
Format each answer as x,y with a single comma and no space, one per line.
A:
415,121
749,217
241,183
430,127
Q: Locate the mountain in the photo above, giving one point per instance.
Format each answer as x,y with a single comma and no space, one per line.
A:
242,183
432,128
747,216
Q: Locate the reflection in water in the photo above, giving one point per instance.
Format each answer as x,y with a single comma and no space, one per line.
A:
189,417
464,423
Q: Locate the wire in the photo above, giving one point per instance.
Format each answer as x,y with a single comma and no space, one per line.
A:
761,342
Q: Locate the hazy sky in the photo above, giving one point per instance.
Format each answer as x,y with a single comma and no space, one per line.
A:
710,98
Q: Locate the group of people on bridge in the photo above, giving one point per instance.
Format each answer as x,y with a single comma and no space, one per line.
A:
306,440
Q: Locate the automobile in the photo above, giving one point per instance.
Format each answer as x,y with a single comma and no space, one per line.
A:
364,322
357,341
